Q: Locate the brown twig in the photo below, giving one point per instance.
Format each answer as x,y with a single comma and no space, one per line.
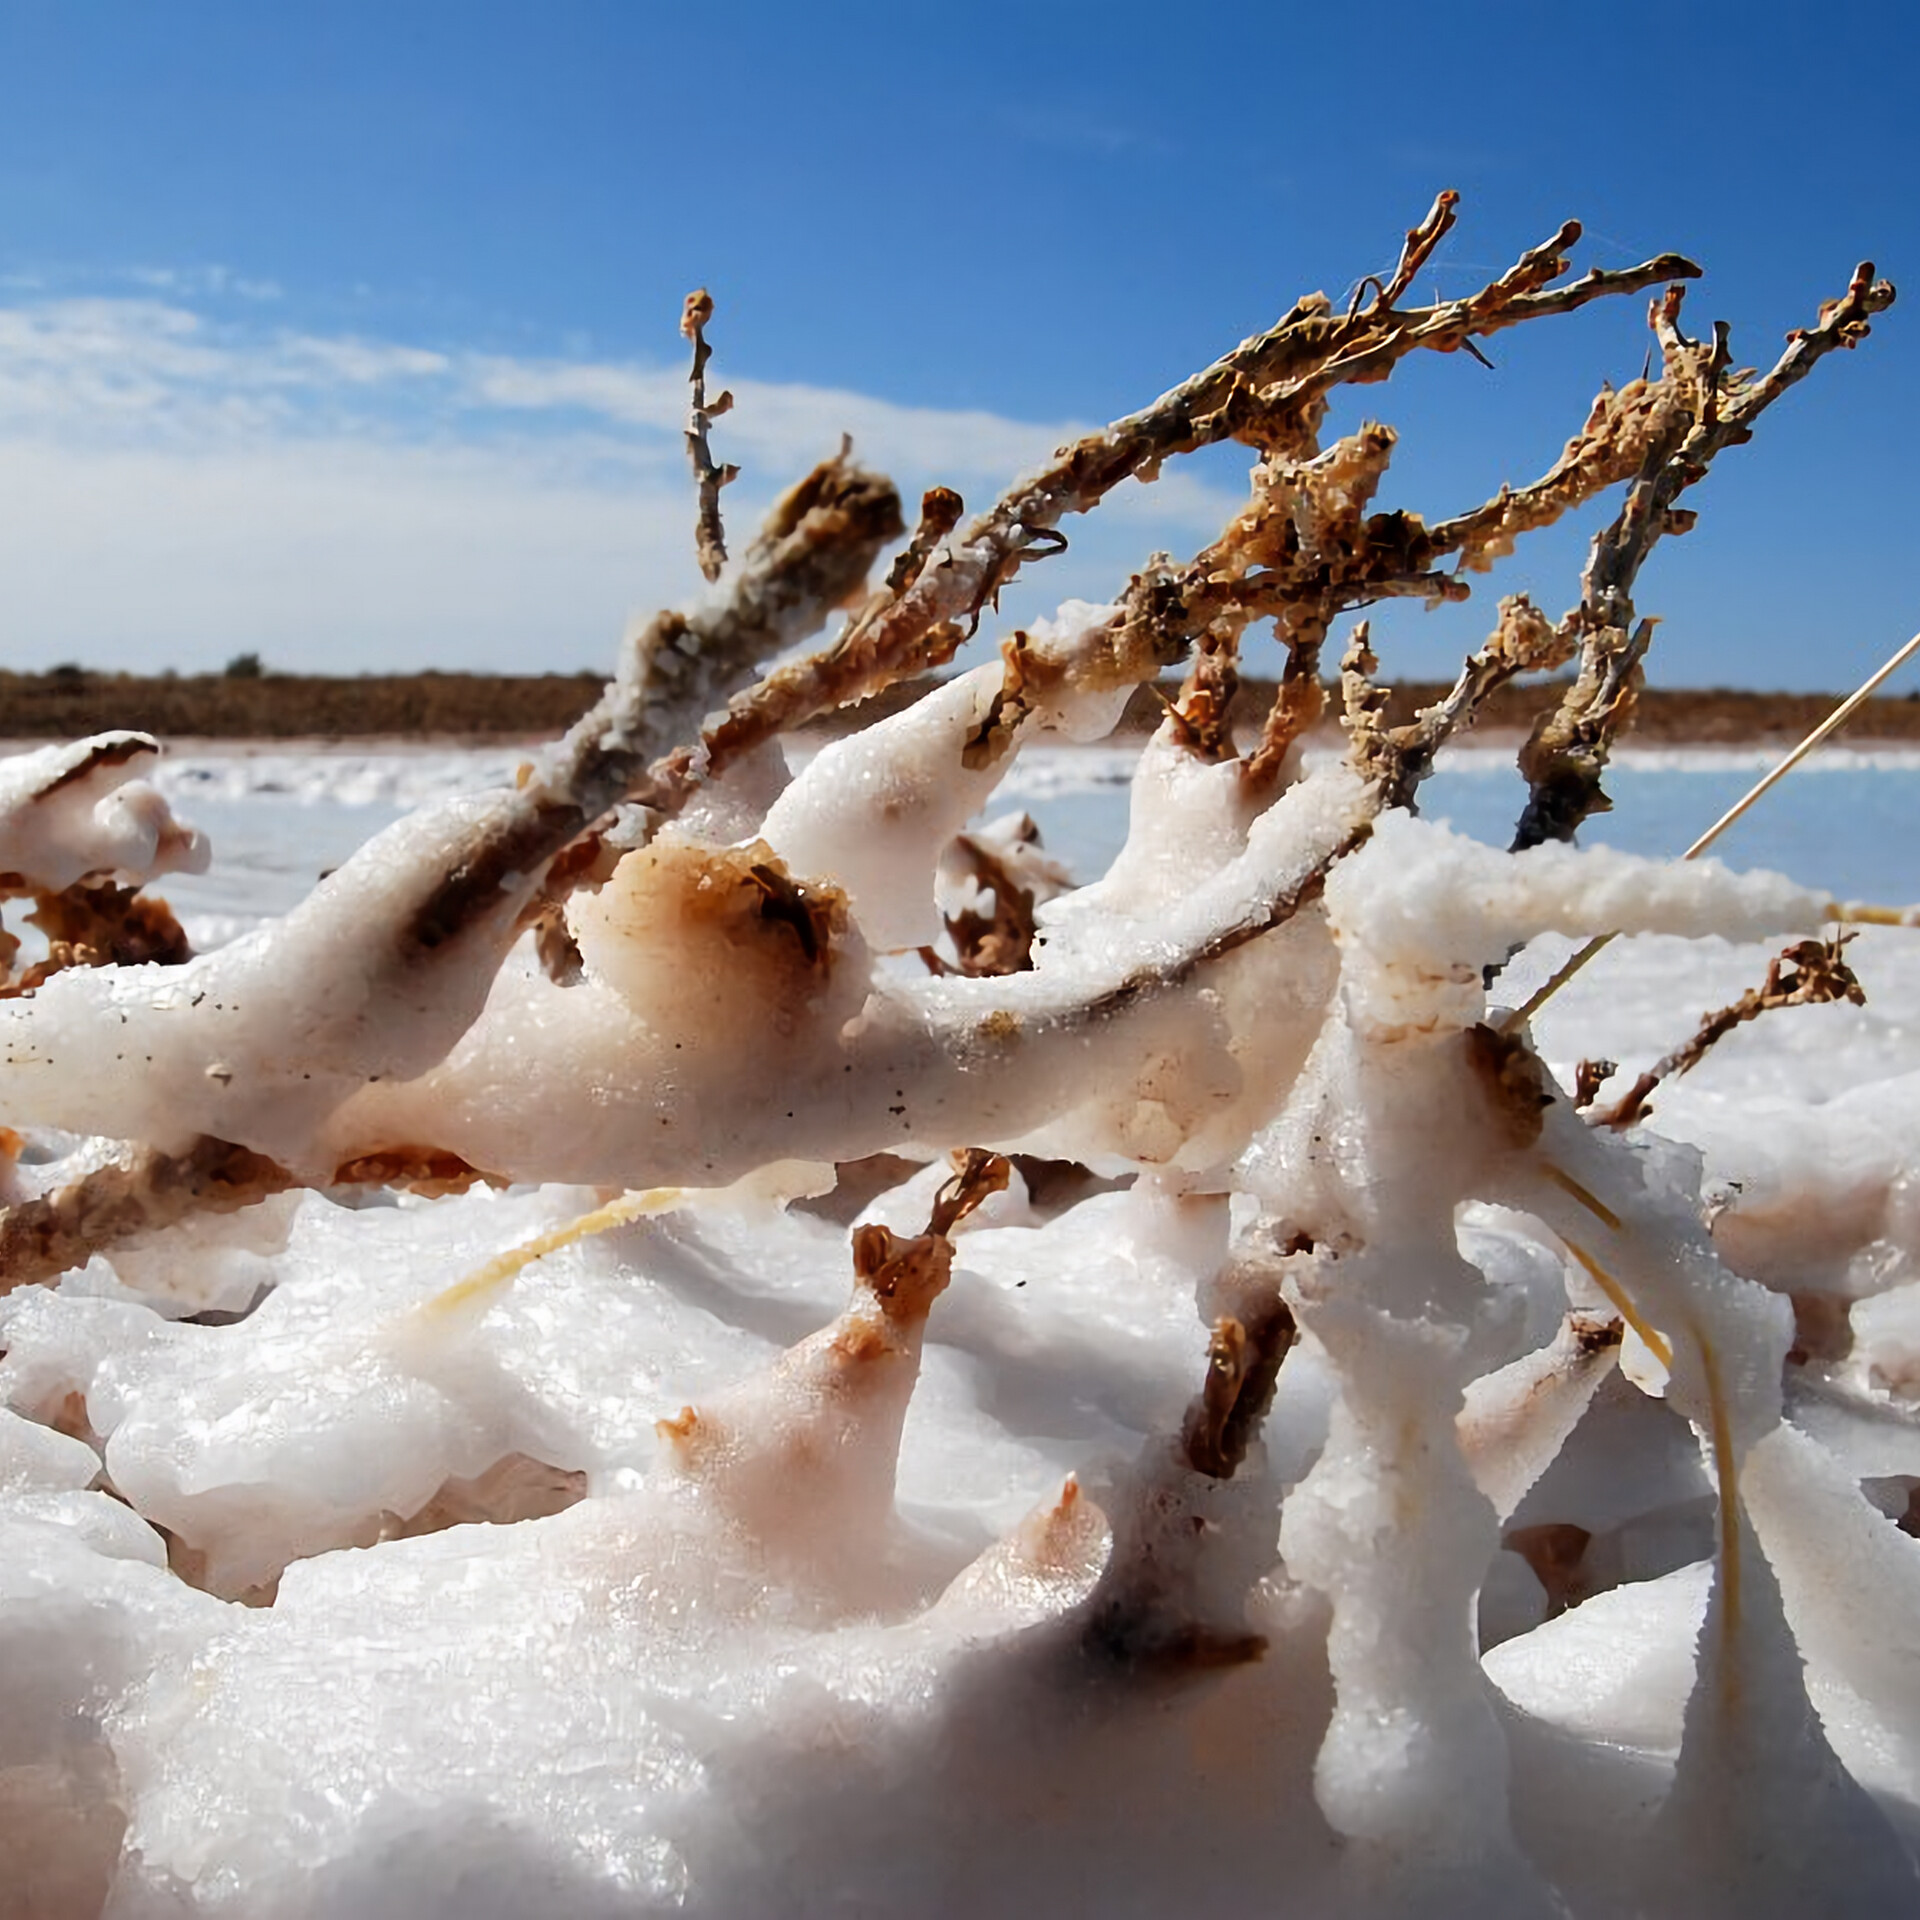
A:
1418,250
1810,973
710,540
996,942
1564,759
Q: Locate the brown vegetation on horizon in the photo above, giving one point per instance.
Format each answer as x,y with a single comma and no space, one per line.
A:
69,703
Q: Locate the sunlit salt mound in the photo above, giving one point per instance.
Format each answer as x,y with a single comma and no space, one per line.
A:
1001,1584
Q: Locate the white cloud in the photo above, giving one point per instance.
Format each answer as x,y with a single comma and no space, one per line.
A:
182,488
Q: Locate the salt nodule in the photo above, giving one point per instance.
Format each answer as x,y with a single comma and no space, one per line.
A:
680,1337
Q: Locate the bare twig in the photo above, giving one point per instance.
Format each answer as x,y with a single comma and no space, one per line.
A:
906,1275
940,511
995,942
710,540
1418,250
1589,1077
1810,973
1569,748
1243,1364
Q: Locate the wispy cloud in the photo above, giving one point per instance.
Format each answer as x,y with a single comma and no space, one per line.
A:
185,484
216,282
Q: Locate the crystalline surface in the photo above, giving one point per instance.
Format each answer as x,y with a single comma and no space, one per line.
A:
777,1550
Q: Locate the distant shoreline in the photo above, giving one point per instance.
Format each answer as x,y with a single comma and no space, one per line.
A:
479,710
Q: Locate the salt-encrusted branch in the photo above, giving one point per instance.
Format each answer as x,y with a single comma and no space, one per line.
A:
814,551
1569,748
1187,1546
1810,973
710,540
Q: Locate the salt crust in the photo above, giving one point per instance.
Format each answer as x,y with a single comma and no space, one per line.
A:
831,1644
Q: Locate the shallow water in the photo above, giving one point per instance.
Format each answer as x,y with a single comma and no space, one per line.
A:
1843,822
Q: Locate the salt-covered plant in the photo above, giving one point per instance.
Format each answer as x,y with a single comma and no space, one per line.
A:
1328,1271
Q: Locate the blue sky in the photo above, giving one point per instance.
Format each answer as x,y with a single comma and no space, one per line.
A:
347,334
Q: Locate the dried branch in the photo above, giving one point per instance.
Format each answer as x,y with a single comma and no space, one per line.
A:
1810,973
1172,1595
1564,759
1400,758
1621,431
710,540
1589,1077
906,1275
1332,557
940,511
1418,250
1243,1365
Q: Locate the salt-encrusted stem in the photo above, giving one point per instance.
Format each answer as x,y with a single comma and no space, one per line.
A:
817,546
1756,1776
1514,1420
1188,1546
1389,1523
710,540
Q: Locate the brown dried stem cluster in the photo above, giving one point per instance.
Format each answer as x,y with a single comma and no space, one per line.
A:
42,1239
93,923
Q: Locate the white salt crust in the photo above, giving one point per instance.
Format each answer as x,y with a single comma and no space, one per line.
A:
924,1610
